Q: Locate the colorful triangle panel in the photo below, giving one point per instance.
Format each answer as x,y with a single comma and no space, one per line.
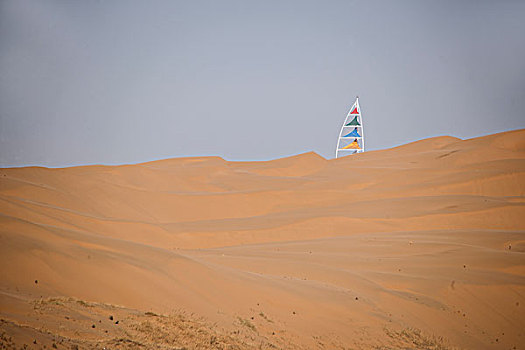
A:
354,122
354,111
354,133
353,145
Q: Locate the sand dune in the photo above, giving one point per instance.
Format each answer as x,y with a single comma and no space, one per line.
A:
418,246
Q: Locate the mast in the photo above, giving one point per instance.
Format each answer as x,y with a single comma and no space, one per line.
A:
351,138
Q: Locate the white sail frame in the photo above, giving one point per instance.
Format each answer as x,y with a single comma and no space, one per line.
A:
347,120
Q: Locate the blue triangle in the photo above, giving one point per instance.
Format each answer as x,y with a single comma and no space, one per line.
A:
354,133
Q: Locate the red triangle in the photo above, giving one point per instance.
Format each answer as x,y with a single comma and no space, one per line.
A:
354,111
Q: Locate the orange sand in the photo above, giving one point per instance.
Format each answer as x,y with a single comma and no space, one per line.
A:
418,246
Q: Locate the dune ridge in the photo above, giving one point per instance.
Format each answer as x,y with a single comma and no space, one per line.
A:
423,242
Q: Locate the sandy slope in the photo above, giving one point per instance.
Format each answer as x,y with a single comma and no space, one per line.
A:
418,246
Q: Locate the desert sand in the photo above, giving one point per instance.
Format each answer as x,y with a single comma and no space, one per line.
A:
421,246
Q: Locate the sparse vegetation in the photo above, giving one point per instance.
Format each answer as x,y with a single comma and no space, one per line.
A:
265,317
247,323
412,338
141,330
83,303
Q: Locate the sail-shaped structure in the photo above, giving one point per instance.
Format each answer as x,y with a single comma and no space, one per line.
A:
351,139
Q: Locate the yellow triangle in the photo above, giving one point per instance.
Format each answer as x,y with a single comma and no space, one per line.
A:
353,145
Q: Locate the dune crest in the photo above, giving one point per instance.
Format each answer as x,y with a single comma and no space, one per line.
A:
419,243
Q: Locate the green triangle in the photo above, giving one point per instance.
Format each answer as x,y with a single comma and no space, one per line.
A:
353,122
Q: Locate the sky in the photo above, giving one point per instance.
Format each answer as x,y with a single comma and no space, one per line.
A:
121,81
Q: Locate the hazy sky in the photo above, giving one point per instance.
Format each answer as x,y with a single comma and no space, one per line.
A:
111,82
